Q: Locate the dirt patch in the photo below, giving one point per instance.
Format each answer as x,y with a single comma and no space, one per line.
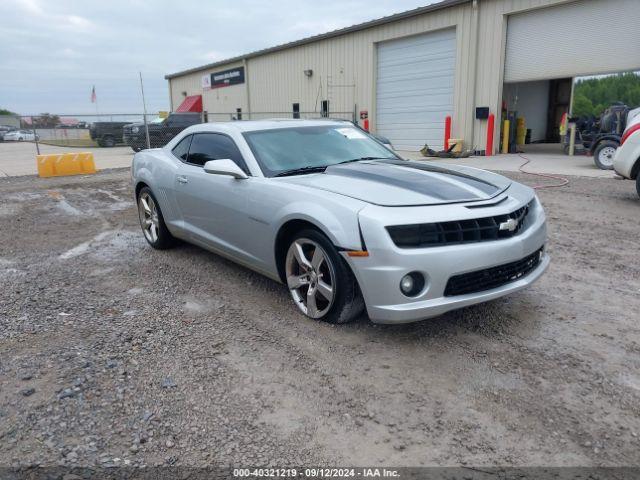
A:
141,357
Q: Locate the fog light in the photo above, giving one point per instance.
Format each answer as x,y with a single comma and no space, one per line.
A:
406,284
412,284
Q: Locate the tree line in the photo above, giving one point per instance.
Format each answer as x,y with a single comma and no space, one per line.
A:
591,96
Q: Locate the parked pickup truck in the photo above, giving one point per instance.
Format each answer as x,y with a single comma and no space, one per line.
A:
107,134
161,130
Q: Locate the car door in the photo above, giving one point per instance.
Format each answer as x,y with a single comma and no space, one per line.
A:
215,207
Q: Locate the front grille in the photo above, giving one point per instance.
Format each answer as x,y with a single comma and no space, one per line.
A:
493,277
460,231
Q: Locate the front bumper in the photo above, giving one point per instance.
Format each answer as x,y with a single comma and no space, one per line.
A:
134,139
379,274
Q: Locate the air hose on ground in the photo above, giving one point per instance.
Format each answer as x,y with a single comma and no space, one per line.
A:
563,181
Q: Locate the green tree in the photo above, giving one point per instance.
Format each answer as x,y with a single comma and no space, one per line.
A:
4,111
582,106
593,95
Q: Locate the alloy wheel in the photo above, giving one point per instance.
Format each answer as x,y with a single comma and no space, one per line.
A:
310,277
148,213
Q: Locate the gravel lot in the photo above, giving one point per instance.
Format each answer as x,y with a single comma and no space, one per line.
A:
114,354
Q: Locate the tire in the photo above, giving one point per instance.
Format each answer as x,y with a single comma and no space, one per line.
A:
603,154
136,148
638,184
310,260
108,142
20,139
152,223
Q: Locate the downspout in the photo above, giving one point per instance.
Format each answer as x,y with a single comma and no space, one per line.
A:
170,97
245,64
475,21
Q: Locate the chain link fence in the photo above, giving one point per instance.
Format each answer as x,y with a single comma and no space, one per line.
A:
137,131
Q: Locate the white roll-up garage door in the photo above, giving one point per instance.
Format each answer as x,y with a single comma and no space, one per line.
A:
414,89
582,38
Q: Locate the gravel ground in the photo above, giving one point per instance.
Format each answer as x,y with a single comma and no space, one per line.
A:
112,353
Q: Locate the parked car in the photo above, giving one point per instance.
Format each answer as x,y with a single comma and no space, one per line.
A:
20,136
107,134
161,130
627,157
5,129
340,219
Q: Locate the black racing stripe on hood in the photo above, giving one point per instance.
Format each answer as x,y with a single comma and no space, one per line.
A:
385,172
475,182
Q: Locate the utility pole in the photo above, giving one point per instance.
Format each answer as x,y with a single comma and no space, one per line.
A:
144,111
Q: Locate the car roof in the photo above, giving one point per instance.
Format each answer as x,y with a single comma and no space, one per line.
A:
255,125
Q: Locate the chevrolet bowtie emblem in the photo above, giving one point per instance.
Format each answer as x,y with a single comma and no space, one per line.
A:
509,225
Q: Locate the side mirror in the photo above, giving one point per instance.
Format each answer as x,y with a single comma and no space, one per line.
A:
225,167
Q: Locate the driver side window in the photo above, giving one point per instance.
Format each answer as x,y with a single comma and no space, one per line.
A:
214,146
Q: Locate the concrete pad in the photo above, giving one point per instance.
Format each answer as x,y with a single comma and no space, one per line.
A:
19,158
549,163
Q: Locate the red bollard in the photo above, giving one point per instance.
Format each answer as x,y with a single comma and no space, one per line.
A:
366,124
447,131
490,127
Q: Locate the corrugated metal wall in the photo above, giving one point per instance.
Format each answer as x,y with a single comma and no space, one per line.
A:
344,68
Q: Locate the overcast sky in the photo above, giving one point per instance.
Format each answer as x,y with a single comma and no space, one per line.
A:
53,51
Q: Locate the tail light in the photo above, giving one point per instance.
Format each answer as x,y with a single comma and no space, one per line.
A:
628,132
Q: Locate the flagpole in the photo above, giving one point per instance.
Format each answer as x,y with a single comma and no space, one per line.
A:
94,99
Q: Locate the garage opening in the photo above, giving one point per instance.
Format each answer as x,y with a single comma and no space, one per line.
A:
542,71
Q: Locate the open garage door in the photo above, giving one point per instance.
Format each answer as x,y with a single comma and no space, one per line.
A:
414,90
581,38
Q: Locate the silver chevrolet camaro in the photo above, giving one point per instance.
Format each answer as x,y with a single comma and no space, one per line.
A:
342,220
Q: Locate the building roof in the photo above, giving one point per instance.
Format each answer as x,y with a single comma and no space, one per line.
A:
334,33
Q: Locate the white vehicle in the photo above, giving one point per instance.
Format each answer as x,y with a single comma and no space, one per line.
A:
626,161
19,136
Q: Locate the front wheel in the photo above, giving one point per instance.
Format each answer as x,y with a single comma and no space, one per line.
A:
320,282
604,153
136,148
152,222
638,184
109,142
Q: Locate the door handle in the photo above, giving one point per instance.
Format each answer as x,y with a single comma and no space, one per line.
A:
182,179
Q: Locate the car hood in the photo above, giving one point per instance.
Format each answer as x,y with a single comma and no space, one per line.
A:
396,183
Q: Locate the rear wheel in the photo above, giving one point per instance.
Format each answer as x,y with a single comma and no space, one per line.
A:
603,154
638,184
109,142
320,282
152,222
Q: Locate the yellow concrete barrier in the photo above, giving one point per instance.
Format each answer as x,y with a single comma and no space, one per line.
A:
58,165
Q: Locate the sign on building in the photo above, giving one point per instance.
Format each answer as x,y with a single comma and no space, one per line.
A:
205,82
226,78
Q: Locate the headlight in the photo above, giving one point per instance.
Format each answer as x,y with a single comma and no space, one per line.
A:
135,129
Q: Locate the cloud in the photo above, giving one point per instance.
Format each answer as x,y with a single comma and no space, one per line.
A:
53,52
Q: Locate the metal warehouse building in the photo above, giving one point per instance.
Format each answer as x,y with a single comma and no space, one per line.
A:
405,73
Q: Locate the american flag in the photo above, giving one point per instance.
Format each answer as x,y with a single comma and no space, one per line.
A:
93,94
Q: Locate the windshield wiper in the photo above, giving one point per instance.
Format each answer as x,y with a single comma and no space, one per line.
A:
364,158
301,170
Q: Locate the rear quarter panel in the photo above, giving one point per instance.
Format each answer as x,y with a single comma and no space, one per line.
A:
157,168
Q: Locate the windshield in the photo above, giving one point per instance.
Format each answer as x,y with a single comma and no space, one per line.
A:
284,149
157,120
